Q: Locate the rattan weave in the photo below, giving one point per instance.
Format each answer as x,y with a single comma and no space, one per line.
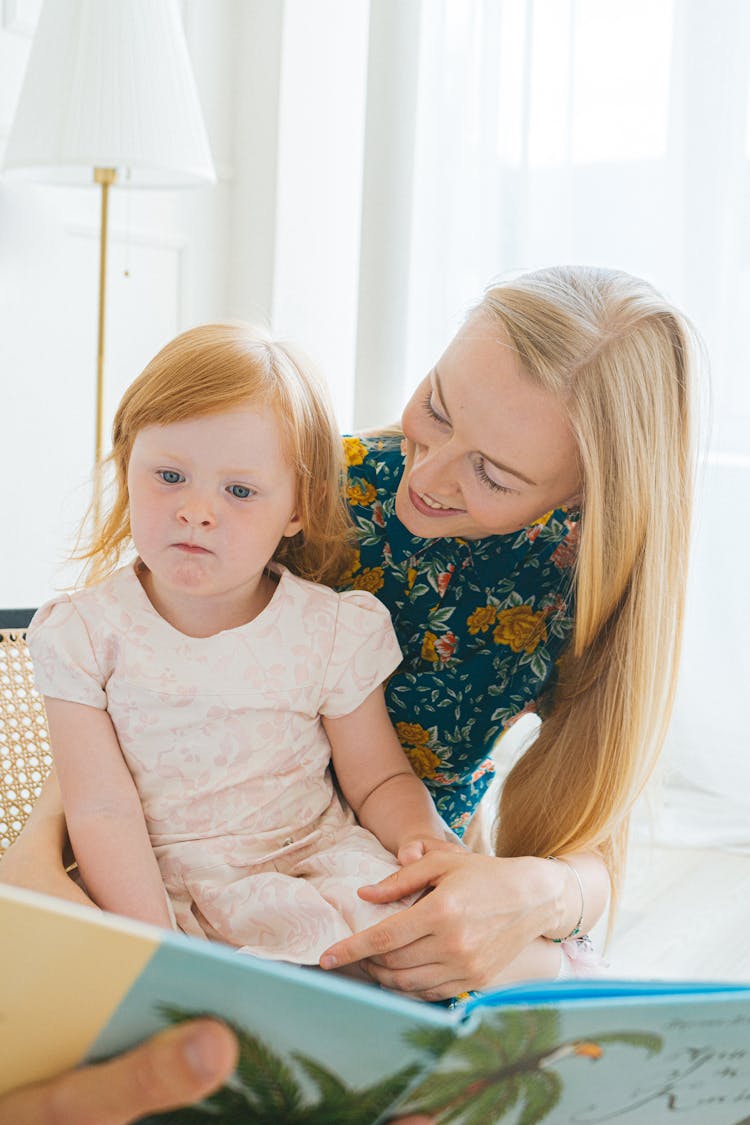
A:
25,757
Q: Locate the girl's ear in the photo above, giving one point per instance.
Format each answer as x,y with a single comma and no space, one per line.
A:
293,527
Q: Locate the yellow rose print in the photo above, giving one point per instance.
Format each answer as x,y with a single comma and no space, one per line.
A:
362,493
424,761
543,519
412,734
355,451
428,647
480,620
371,579
520,628
352,568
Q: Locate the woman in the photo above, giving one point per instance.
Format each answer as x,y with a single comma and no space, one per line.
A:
531,544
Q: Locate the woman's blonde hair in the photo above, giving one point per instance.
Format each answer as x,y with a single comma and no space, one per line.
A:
622,361
218,367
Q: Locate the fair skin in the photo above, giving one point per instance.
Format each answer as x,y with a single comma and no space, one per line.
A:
210,500
483,912
487,451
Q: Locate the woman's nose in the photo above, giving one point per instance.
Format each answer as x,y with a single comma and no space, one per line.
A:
438,468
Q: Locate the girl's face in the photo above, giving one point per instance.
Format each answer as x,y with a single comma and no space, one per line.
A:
487,451
210,500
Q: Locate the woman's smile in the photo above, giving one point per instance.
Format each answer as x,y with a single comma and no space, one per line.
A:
428,506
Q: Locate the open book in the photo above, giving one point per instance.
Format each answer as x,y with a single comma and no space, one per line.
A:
78,984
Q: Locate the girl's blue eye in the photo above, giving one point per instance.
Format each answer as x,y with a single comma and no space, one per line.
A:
171,476
239,491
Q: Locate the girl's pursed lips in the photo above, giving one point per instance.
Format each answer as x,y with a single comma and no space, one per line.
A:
192,548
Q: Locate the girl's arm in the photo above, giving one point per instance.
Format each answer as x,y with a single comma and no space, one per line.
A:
378,782
104,815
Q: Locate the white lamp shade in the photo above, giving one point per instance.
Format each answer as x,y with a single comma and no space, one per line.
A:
109,84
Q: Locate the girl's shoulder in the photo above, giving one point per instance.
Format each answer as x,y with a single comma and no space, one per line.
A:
335,613
88,602
301,595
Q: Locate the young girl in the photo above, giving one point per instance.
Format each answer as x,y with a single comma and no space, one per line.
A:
196,696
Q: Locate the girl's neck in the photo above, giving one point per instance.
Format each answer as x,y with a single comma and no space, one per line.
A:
206,616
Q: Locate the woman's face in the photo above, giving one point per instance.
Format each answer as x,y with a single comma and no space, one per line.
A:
487,451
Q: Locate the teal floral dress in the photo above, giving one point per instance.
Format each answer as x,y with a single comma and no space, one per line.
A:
480,622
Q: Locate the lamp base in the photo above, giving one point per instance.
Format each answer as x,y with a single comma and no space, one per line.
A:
106,177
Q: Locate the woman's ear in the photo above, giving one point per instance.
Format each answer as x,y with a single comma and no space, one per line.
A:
573,501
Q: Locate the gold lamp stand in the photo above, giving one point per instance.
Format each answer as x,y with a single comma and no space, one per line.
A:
106,177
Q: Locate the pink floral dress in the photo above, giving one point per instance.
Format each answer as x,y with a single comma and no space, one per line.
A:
224,739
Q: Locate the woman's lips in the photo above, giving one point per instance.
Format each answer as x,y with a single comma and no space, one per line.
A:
425,509
192,549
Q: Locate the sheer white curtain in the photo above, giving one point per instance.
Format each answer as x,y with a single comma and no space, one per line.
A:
598,132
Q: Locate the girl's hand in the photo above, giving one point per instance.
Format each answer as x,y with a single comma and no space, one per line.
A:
480,914
414,850
175,1068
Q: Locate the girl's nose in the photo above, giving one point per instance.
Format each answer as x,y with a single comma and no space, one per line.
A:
195,511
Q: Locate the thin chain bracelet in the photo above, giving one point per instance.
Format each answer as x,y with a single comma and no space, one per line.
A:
577,928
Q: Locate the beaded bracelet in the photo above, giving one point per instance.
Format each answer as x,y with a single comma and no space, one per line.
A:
577,928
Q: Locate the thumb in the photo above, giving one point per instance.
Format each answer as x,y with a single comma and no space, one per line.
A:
175,1068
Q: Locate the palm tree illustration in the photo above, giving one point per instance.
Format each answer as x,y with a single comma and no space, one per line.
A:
267,1090
509,1061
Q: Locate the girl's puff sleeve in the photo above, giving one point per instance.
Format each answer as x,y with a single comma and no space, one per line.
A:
65,666
363,654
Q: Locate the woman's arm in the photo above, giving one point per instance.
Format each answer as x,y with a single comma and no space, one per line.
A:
378,782
581,900
35,859
483,913
104,814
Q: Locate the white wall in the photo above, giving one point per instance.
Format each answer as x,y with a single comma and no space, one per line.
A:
277,240
167,269
319,195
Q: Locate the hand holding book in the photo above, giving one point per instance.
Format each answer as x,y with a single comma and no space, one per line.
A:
176,1067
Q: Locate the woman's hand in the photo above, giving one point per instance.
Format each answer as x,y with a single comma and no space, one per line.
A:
35,859
481,912
175,1068
18,868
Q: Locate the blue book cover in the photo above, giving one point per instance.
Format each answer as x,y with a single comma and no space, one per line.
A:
317,1048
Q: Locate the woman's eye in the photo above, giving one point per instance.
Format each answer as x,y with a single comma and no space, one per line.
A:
170,476
488,481
239,491
432,412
